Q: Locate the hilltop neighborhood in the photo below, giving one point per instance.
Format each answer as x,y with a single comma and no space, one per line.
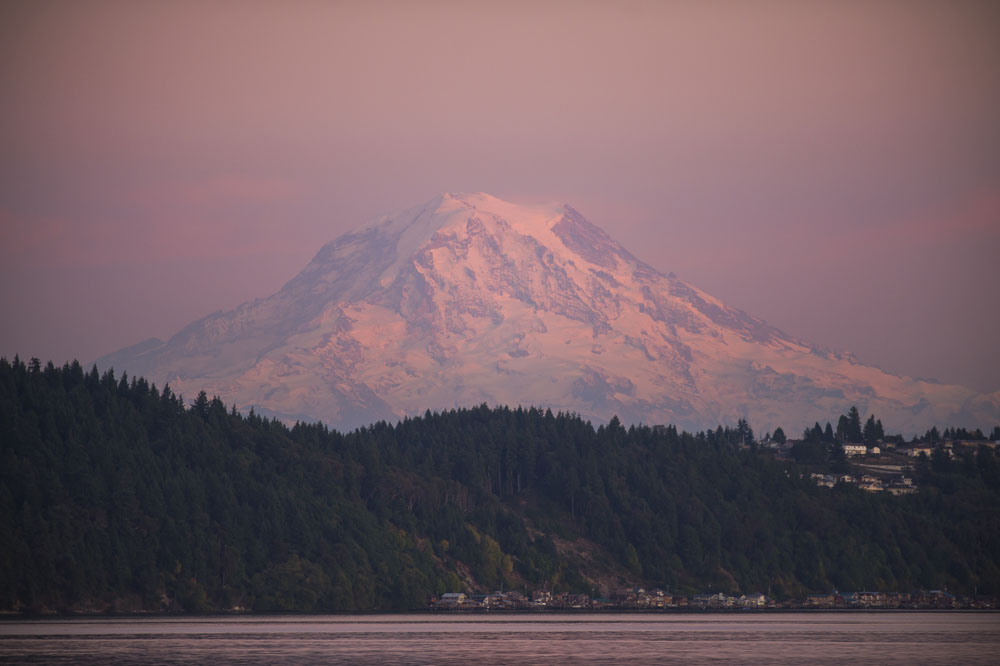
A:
886,466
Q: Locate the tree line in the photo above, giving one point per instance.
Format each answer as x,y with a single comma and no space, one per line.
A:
115,494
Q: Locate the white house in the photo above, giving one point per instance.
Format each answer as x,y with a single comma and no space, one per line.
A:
450,600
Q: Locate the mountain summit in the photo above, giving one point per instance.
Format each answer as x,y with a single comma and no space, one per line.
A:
469,299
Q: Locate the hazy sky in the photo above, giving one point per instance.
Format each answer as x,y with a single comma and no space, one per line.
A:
833,167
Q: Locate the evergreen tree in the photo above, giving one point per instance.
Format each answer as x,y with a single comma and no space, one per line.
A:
853,429
744,432
200,404
869,434
814,434
843,425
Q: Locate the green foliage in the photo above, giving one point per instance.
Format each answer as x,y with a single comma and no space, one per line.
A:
115,495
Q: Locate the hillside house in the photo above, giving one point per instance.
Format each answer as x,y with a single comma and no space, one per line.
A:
855,449
870,483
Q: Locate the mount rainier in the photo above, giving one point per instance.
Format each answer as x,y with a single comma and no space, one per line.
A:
469,299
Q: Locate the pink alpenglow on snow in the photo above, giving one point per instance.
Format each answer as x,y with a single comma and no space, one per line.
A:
468,299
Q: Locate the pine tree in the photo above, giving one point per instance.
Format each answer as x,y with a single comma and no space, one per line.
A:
816,434
853,425
744,432
200,405
842,426
868,435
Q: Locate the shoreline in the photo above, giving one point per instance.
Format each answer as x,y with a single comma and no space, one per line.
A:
8,616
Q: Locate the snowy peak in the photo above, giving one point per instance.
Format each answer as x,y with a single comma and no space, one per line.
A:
467,299
558,228
404,234
449,209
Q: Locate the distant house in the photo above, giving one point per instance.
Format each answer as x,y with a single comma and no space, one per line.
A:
450,600
855,449
495,600
638,597
710,600
901,485
820,601
755,600
541,597
942,599
628,595
870,483
865,599
664,600
657,599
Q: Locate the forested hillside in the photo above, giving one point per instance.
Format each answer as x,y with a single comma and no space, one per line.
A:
117,495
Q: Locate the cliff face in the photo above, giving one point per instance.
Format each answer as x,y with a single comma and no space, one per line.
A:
469,299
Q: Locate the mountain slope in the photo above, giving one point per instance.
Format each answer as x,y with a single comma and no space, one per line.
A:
469,299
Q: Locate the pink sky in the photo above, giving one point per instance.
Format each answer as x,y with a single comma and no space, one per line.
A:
831,167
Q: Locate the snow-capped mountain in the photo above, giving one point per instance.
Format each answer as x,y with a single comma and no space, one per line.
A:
470,299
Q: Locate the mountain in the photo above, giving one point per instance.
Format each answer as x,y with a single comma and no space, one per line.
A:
468,299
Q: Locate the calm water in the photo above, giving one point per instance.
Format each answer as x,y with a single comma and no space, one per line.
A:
727,638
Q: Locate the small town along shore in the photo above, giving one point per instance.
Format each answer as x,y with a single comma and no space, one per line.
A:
640,599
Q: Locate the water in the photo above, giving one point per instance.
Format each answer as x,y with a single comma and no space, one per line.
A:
501,638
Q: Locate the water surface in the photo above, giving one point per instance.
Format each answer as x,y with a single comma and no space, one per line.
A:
510,638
